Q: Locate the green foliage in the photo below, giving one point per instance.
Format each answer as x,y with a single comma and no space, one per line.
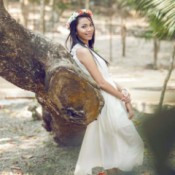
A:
61,5
161,15
104,3
148,34
38,1
127,3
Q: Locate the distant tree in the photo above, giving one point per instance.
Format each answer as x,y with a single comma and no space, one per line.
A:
81,4
6,3
171,67
123,11
42,16
24,12
110,14
160,14
87,4
156,42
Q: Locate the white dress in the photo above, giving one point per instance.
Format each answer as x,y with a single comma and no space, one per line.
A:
111,140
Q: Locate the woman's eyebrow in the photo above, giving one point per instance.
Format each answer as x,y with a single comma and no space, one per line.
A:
86,24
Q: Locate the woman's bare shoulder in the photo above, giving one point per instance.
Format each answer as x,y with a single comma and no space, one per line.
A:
82,50
83,54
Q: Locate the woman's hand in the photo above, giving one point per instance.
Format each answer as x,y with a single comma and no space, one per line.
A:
126,95
129,110
126,99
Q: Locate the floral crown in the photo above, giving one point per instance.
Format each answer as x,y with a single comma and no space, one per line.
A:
76,14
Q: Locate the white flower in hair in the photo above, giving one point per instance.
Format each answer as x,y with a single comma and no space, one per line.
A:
76,14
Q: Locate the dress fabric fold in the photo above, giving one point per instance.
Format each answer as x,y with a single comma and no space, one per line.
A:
112,140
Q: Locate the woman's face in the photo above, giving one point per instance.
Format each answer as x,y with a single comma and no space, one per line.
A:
85,29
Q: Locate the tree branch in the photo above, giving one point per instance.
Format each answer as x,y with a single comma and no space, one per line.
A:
37,64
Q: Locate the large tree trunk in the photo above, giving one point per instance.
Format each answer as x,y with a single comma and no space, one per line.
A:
70,99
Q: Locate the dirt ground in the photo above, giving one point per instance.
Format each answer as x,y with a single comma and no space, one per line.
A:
26,148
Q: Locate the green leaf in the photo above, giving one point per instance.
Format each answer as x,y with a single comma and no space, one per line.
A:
160,14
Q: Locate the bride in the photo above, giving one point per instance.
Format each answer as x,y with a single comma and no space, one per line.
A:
111,141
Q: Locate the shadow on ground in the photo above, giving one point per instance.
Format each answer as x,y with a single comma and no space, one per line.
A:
26,147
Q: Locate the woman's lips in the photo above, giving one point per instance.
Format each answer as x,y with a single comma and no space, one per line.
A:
89,35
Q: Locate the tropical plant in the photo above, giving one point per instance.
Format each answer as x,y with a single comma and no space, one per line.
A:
160,15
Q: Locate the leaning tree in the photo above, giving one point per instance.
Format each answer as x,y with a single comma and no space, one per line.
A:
70,99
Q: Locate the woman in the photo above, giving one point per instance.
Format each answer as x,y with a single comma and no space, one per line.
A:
111,141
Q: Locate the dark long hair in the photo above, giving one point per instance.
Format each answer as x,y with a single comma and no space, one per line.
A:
73,38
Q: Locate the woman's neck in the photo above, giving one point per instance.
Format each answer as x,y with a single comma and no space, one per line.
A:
85,43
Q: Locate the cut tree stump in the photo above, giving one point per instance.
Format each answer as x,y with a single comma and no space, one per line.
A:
70,99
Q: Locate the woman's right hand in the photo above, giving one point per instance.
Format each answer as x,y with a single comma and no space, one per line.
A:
125,98
125,95
129,110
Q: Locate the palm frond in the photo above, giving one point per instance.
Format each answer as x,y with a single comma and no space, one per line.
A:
160,12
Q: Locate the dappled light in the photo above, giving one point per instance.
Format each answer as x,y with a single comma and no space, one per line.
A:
45,97
25,145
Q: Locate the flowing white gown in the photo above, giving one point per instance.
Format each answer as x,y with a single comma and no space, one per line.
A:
111,140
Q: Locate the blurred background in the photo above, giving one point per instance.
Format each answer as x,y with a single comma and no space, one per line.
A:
138,50
129,35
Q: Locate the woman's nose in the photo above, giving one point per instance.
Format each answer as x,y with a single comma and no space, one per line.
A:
89,28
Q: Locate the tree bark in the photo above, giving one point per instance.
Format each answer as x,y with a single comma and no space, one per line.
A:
87,4
42,16
110,40
70,99
166,80
24,12
156,50
123,38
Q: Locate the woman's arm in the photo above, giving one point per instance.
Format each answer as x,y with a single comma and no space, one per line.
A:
87,60
123,90
118,86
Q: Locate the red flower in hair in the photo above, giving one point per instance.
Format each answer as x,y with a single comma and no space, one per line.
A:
76,14
85,11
